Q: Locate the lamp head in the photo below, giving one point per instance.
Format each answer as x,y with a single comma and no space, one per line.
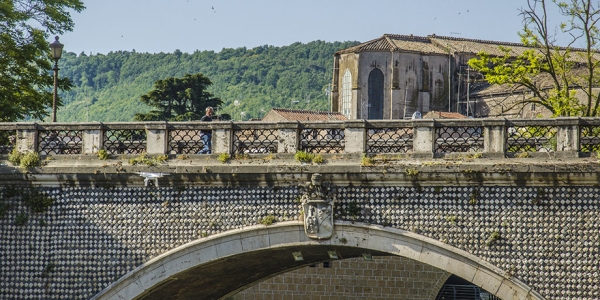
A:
56,48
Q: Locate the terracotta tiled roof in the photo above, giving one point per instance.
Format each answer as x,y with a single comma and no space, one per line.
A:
471,46
434,44
443,115
307,115
394,42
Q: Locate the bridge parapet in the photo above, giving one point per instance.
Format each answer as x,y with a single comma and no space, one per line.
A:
535,219
560,137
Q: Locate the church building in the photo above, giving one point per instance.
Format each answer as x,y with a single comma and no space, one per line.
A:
395,76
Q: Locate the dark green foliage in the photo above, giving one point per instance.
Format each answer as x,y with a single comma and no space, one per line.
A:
36,200
178,99
21,219
4,207
26,79
353,209
108,87
10,191
48,270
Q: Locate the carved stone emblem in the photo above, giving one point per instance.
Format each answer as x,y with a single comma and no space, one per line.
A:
317,202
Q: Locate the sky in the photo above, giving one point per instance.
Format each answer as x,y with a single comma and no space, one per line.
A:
188,25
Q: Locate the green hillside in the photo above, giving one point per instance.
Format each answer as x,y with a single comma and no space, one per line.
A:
249,81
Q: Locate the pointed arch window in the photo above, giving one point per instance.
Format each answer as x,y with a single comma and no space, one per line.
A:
346,93
375,94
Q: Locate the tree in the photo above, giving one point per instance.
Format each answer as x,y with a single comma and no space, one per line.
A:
551,73
25,79
178,99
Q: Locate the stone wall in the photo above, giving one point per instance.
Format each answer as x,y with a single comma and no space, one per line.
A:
356,278
547,237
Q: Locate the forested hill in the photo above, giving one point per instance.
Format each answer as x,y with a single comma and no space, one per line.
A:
249,81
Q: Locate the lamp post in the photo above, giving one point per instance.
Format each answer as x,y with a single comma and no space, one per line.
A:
56,48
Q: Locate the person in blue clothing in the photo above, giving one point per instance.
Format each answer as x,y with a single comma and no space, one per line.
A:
206,135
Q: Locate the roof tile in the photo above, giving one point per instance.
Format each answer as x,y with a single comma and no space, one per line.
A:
308,115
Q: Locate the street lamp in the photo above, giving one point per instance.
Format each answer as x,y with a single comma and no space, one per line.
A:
56,48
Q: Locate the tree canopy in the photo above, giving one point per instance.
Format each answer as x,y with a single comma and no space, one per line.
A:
178,99
550,72
25,81
250,81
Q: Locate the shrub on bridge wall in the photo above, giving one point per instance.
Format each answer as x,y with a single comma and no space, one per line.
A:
307,157
14,157
27,160
30,160
103,154
223,157
144,159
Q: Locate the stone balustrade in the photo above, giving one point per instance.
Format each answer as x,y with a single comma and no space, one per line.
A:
560,137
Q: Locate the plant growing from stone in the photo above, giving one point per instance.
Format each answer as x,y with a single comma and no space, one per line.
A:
474,155
14,157
268,220
242,156
494,236
144,159
30,160
317,159
451,219
223,157
103,154
366,160
411,172
304,157
27,160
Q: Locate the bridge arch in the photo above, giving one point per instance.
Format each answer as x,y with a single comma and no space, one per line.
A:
201,265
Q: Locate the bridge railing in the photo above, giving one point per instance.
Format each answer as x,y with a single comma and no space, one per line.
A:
570,137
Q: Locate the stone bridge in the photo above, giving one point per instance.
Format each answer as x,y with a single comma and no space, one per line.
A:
509,206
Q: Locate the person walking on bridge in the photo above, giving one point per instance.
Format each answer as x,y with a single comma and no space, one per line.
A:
206,134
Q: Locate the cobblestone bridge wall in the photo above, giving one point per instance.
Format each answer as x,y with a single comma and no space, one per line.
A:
548,237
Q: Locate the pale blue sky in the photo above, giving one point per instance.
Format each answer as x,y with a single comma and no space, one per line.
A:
165,25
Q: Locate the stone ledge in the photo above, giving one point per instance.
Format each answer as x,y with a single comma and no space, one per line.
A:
339,169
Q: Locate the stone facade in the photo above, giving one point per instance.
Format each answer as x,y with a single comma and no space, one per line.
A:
547,237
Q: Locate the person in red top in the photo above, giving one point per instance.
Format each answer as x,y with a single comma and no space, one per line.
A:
206,135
